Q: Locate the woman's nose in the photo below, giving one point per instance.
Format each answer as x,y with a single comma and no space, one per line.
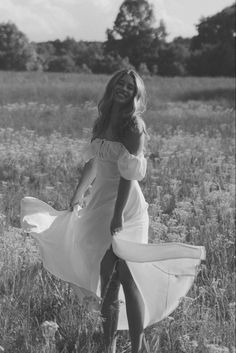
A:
125,87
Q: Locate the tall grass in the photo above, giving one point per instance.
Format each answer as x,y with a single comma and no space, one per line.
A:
67,103
78,88
45,121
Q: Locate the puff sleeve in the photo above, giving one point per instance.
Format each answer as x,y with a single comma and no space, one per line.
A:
87,152
132,167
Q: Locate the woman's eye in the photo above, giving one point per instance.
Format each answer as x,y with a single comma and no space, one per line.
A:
122,84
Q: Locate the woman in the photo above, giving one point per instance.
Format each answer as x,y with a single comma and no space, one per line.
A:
102,248
120,128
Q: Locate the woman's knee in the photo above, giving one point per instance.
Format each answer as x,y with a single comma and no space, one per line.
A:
109,276
108,263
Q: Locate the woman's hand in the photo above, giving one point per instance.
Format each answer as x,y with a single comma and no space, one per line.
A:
76,200
116,224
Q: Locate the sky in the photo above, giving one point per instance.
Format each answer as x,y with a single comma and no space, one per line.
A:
43,20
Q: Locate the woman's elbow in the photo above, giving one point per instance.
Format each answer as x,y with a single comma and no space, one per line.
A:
125,182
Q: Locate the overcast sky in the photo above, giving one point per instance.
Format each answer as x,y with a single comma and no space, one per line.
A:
43,20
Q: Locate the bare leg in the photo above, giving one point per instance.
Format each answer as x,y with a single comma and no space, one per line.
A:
110,285
134,307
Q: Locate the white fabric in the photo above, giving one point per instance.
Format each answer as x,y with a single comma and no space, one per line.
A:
132,167
72,244
88,152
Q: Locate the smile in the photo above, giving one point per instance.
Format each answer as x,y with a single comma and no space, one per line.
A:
122,94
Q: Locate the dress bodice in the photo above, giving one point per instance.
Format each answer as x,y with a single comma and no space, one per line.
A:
114,160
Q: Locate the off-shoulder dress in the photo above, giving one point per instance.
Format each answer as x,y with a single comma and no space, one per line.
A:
72,244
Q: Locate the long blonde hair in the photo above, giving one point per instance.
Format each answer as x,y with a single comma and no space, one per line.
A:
131,111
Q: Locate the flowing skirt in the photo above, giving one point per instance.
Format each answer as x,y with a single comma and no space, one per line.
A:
72,245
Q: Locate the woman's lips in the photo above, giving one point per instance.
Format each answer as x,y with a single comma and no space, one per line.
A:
121,94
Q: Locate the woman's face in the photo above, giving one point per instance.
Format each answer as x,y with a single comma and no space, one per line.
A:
124,90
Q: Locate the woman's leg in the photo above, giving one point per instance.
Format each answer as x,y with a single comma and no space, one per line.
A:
134,306
110,285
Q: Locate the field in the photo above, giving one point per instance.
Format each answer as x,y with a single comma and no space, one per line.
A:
44,121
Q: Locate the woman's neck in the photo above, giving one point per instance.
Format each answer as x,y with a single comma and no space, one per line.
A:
115,114
111,130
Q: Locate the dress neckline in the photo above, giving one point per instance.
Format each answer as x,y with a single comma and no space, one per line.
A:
120,143
104,139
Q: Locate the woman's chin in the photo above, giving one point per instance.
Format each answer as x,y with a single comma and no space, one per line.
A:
120,100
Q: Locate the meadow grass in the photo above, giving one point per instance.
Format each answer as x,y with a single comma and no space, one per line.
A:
45,119
67,103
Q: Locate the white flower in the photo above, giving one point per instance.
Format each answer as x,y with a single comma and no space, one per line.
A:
49,329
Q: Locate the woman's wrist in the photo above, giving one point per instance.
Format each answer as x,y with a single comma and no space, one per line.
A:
78,196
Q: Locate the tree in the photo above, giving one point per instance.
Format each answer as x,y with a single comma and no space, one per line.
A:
213,49
111,63
143,69
173,57
45,52
133,34
134,17
62,63
16,53
88,53
72,55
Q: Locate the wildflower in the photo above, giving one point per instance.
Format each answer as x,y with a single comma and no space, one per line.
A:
49,328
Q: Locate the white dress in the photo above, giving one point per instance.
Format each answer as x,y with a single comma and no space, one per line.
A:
72,244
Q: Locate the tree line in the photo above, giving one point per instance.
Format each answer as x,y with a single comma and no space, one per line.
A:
134,41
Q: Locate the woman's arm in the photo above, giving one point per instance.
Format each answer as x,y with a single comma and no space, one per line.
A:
122,197
135,145
88,176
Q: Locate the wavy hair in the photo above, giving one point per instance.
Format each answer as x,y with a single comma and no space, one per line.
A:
135,108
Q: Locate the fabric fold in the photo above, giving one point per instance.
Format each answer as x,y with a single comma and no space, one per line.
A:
73,244
137,252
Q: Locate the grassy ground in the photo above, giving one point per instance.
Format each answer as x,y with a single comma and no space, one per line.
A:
44,122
